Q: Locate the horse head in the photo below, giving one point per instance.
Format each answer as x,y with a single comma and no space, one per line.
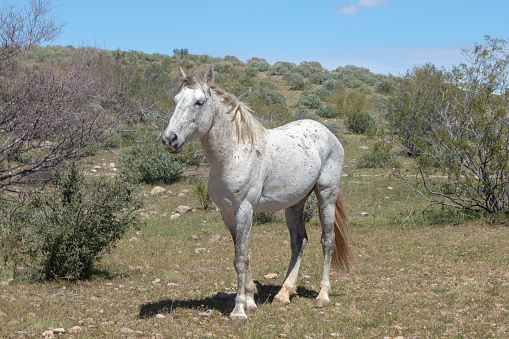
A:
193,113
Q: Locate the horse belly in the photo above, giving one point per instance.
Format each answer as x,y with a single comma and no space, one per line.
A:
288,181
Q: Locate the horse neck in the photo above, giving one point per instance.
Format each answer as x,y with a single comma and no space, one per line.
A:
219,142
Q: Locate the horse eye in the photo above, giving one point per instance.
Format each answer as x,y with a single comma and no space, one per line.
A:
199,103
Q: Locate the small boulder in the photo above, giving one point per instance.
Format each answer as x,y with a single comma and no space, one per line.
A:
157,190
75,330
174,216
183,209
363,214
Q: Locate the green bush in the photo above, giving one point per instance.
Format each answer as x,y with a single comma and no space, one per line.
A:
263,217
335,128
362,123
379,158
304,113
282,67
310,101
327,112
63,234
310,208
150,164
203,195
294,80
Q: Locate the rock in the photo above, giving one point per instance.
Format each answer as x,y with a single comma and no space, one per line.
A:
58,330
389,188
184,191
160,316
198,250
363,214
306,277
93,170
48,334
112,165
194,237
75,330
181,195
183,209
157,190
271,276
156,281
126,330
134,239
174,216
204,314
96,167
364,148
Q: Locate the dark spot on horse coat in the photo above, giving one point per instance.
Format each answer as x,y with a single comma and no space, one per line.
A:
258,153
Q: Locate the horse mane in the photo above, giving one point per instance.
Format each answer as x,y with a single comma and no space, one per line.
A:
247,127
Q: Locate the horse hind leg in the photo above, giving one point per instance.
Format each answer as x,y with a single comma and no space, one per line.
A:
296,226
326,204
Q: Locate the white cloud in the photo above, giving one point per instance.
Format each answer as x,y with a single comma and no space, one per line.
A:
351,9
348,9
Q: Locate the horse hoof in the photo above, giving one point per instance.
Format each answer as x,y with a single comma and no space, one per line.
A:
237,320
281,301
319,303
251,308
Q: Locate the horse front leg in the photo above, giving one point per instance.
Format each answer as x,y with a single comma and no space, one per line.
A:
241,231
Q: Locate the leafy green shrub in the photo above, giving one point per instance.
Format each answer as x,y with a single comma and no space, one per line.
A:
379,158
63,234
333,85
150,164
203,195
282,67
304,113
310,208
310,101
263,217
261,65
307,68
335,128
384,86
327,112
294,80
362,123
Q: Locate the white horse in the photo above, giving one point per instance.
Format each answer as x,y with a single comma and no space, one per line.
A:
253,169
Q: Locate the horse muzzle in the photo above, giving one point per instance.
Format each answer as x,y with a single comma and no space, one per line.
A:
171,143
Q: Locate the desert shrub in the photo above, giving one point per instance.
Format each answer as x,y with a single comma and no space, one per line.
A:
261,65
203,195
327,112
307,68
294,80
150,164
310,101
362,123
333,85
335,128
63,234
263,217
304,113
310,208
379,158
384,86
282,67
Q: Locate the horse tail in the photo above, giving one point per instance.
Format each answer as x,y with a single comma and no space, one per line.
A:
341,255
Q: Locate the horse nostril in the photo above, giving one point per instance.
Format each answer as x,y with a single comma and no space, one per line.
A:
173,138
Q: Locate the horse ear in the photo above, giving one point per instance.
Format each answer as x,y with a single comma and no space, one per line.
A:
182,75
209,77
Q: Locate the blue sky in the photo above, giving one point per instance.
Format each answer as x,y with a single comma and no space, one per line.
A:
386,36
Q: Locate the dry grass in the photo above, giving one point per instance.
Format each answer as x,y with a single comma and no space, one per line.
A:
412,280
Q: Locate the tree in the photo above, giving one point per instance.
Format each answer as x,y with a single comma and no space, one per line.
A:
49,112
454,125
21,28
